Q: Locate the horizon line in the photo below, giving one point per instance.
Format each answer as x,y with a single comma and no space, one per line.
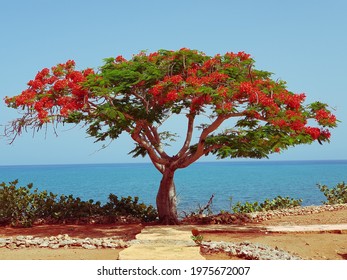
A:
198,162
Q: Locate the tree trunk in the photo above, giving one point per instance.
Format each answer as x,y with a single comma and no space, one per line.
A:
166,199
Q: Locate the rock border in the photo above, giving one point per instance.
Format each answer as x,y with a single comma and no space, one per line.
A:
296,211
61,241
247,250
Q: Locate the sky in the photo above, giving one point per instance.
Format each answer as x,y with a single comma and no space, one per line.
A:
301,42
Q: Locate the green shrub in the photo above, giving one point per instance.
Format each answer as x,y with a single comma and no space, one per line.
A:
18,205
280,202
71,208
246,207
336,195
276,203
129,207
22,206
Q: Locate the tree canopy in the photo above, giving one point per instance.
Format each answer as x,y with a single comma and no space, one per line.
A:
138,95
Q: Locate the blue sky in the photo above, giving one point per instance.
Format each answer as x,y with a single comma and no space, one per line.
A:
302,42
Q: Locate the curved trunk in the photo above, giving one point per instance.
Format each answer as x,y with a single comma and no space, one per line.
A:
166,199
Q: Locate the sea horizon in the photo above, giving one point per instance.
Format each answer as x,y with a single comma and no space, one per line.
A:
247,161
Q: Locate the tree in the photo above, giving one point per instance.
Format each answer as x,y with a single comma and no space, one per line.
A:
137,96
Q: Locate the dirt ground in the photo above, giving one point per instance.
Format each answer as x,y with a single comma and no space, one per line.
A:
310,245
323,245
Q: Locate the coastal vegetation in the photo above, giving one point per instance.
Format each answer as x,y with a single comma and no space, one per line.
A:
276,203
230,108
336,195
24,206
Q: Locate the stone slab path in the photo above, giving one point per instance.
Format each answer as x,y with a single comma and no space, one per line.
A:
162,243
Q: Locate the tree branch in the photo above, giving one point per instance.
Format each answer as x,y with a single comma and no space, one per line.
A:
158,162
201,144
201,148
153,137
185,147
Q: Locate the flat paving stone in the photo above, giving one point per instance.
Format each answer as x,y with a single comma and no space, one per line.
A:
162,243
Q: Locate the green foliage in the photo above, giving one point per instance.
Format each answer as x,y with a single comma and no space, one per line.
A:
18,206
336,195
278,202
197,239
126,206
246,207
23,206
196,236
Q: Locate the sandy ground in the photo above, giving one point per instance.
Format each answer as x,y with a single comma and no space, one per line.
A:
317,246
323,245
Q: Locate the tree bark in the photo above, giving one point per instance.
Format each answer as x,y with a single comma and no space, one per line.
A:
166,199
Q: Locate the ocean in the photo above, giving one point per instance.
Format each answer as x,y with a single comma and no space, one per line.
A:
240,180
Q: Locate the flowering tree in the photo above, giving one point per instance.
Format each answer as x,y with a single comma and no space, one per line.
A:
138,95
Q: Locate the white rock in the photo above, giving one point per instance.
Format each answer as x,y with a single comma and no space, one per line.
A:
53,246
44,244
88,246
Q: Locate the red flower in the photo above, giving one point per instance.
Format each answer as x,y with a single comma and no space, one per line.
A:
152,56
297,125
314,132
243,56
156,90
176,79
246,87
228,106
60,84
75,76
223,91
171,95
42,115
88,72
195,232
69,64
294,101
324,117
35,84
43,73
52,80
120,59
326,134
280,123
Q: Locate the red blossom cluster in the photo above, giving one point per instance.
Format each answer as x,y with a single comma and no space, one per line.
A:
324,117
57,91
120,59
191,82
225,84
241,55
269,100
284,109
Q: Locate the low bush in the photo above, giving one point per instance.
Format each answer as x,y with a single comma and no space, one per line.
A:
128,206
276,203
19,206
336,195
23,206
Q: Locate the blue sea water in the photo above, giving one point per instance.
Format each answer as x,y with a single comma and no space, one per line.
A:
241,180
